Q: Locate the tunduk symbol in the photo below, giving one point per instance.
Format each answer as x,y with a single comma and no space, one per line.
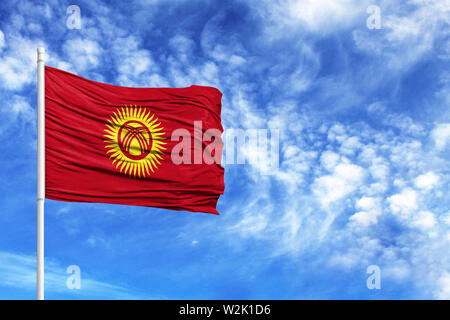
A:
134,140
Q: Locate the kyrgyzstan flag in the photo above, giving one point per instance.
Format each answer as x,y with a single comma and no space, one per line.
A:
156,147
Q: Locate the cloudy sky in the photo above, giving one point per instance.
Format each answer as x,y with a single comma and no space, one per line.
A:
364,125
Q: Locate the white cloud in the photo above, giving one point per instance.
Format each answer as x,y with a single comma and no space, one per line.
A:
329,160
379,168
398,269
403,203
370,209
183,47
446,218
337,133
395,120
16,111
134,64
444,287
251,225
18,62
83,54
350,146
367,154
320,15
20,107
364,218
2,40
408,34
367,203
441,135
426,181
424,220
406,154
313,15
345,179
95,241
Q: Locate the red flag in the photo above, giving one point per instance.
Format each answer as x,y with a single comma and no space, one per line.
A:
112,144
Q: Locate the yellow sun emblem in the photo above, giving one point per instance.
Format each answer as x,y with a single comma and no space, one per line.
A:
134,141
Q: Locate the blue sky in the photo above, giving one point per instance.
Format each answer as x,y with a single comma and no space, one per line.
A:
364,123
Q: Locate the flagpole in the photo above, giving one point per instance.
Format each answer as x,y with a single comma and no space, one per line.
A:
40,173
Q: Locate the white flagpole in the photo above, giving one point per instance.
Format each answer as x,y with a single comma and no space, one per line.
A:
40,172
